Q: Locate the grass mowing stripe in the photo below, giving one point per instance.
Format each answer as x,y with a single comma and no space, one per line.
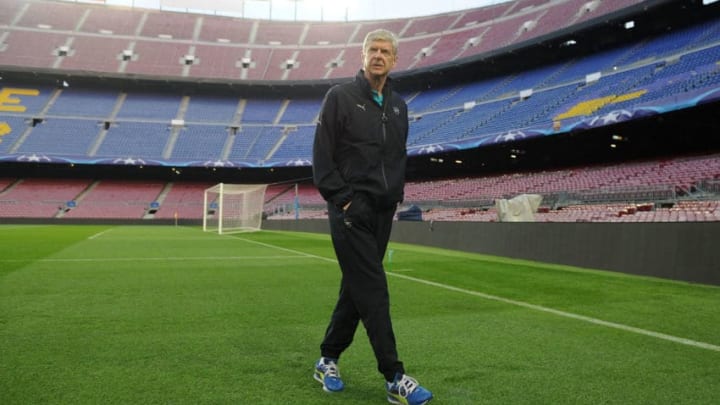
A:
215,332
658,335
626,328
140,259
289,250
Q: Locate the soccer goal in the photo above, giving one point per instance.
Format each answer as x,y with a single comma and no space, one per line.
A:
230,208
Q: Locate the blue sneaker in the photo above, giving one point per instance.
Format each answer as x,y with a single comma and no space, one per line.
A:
327,373
405,390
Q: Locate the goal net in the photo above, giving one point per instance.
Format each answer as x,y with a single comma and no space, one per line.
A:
229,208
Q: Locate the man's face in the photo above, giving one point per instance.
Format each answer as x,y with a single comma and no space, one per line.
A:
378,58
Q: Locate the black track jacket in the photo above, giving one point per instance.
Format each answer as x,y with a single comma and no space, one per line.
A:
360,146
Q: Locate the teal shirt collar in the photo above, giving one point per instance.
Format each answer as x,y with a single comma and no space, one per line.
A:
377,97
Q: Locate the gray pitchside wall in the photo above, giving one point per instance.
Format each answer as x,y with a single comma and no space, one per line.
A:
688,251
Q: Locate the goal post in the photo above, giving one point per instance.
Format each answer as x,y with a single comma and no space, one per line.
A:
230,208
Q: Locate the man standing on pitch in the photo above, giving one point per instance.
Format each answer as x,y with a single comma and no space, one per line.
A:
359,157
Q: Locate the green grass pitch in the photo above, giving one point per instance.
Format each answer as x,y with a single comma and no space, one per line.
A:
172,315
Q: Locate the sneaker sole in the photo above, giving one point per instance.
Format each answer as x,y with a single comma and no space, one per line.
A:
396,402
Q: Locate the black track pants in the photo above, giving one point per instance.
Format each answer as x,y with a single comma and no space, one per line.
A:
360,237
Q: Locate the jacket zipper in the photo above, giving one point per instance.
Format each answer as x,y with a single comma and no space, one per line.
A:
384,120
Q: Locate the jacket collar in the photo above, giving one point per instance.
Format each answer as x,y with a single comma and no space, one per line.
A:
365,85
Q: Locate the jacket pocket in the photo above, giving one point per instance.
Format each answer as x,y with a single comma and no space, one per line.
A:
360,211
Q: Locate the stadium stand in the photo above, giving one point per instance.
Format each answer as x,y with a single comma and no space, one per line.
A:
38,198
94,54
278,33
397,26
50,16
657,190
297,144
158,42
594,8
111,21
211,109
450,45
135,127
30,49
429,25
169,25
158,58
347,61
564,14
86,103
28,101
634,179
483,14
200,142
135,140
149,106
60,137
253,143
560,94
329,34
220,61
299,110
281,62
310,64
184,200
505,32
9,11
116,199
18,128
226,30
261,111
5,183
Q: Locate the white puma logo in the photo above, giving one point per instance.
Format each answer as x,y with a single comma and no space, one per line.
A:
361,106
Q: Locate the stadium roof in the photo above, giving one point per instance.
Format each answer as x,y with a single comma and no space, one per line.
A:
305,10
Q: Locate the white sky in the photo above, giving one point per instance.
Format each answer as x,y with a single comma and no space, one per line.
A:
308,10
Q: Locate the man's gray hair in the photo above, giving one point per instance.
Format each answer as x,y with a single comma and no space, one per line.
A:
381,35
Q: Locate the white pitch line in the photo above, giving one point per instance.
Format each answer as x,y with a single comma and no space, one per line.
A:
626,328
297,252
99,234
658,335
